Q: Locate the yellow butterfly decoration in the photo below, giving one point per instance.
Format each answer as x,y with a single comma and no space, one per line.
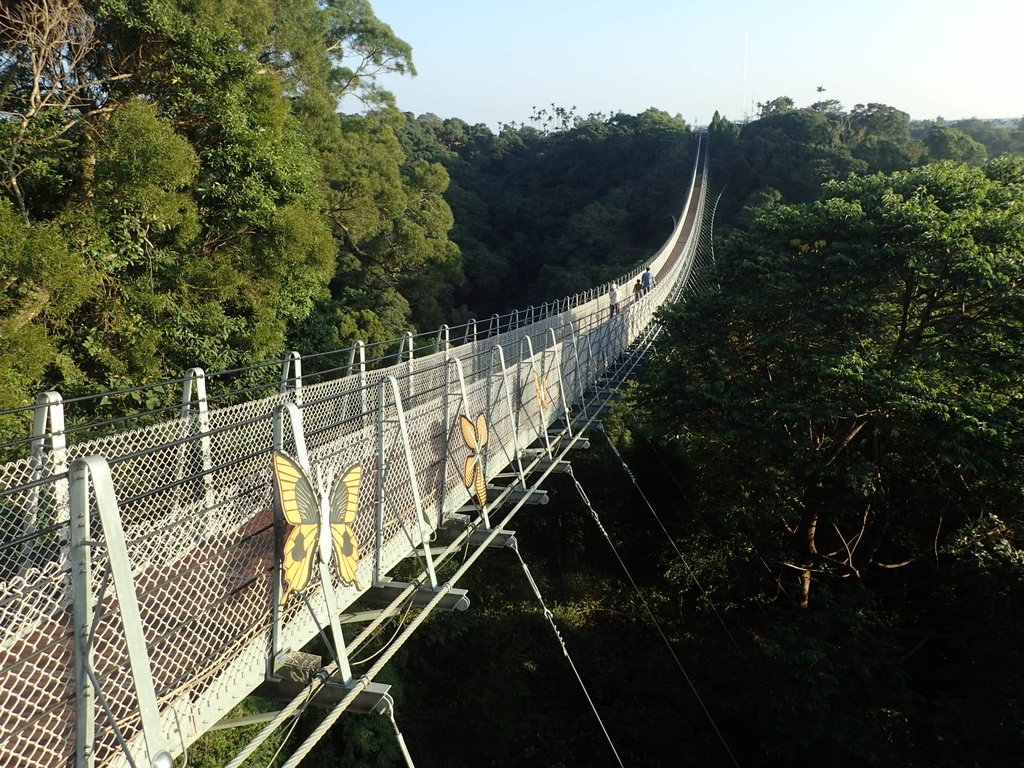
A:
475,438
540,384
301,507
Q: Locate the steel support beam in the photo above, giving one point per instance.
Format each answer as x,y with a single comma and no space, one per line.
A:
385,592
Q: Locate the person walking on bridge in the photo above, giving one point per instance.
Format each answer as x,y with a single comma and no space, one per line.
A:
613,297
647,279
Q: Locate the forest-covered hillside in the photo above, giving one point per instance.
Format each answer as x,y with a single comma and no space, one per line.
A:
179,189
833,439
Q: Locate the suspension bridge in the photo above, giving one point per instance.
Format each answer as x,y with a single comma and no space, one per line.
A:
157,569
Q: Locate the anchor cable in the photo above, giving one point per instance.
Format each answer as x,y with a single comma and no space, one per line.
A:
514,546
679,554
650,613
401,739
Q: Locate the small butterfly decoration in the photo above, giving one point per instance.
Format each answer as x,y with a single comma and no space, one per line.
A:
302,508
475,438
540,384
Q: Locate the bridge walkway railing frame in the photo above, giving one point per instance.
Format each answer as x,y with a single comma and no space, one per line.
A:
189,535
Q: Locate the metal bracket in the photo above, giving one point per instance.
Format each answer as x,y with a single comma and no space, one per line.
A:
513,494
407,352
556,466
357,352
390,383
500,371
386,591
49,460
197,422
526,355
291,377
457,524
296,670
449,394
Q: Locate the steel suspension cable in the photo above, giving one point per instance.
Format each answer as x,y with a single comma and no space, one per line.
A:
514,546
401,739
679,554
650,613
679,487
287,735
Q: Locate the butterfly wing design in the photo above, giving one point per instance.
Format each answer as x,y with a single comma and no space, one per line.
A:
344,504
469,432
481,430
543,399
301,509
469,438
475,437
480,484
540,386
469,470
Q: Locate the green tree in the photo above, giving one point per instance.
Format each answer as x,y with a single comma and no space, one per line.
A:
43,282
193,156
851,401
944,142
881,137
776,106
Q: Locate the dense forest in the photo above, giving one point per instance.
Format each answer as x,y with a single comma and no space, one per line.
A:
180,190
832,438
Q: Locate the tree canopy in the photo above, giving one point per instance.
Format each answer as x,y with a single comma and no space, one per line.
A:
198,192
850,401
544,212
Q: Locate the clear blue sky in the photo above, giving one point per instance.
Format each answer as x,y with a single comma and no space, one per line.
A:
491,62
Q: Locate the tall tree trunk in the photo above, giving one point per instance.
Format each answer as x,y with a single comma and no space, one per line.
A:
810,528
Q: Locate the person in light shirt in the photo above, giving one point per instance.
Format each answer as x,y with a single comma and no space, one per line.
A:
647,279
613,297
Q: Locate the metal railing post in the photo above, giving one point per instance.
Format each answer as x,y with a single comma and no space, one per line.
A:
96,469
291,377
49,459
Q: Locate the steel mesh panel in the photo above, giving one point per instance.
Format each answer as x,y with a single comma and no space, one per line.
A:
334,405
503,445
33,516
36,658
37,693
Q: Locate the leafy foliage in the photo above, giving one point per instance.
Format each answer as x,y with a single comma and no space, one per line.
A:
214,205
850,404
541,213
